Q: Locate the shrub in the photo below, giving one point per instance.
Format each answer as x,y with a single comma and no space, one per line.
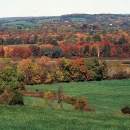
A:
50,95
50,98
63,97
70,100
121,75
13,97
81,104
126,109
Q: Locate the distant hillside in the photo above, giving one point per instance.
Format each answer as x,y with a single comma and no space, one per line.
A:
121,19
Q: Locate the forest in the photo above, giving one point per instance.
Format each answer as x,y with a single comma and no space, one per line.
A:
80,35
75,47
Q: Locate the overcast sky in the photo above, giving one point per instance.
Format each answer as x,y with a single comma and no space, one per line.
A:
14,8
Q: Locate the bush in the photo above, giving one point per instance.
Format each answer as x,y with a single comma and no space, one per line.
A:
50,95
126,109
121,75
50,98
81,104
70,100
13,97
63,96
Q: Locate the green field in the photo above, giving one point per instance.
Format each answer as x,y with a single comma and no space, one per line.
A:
20,24
49,19
78,19
107,97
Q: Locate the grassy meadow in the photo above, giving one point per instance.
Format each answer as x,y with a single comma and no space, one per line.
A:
78,19
107,97
20,24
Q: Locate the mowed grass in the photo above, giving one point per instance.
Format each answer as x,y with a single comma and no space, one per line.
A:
104,96
107,97
49,19
34,118
78,19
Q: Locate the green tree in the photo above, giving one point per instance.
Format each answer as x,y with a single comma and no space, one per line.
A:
11,82
96,69
86,50
11,79
96,38
57,52
121,40
94,51
35,39
107,50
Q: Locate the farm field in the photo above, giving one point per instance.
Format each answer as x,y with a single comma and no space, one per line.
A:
20,24
107,97
78,19
48,19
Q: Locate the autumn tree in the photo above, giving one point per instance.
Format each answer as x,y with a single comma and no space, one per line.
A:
21,52
47,68
35,50
1,51
64,66
95,69
30,70
5,62
6,51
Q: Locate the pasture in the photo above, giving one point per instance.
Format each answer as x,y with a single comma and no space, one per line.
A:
78,19
107,97
20,24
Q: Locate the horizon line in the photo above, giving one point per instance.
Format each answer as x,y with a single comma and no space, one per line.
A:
62,15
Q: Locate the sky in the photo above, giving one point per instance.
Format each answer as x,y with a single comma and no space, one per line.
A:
18,8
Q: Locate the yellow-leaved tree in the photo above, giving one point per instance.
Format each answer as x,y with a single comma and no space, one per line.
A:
6,51
30,70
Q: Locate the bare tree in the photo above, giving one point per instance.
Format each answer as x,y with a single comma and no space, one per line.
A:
59,96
